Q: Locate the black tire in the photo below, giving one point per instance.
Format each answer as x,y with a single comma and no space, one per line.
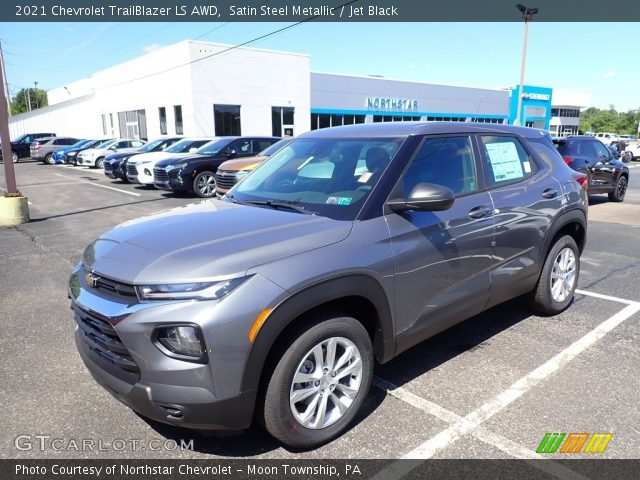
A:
49,160
99,162
204,184
541,299
279,420
621,189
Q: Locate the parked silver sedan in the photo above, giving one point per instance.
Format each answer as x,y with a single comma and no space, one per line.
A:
94,157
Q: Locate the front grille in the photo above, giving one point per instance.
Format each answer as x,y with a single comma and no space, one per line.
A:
101,338
132,170
160,175
107,166
114,287
225,181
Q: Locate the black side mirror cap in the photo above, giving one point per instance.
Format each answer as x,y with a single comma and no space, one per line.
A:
425,197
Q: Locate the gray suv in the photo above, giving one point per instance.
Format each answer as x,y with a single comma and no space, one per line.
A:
350,244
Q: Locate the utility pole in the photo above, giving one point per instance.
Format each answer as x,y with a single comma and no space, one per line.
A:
35,93
28,99
6,83
527,16
9,172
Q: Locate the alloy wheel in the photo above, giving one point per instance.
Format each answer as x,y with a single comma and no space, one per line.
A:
563,275
326,383
621,188
206,184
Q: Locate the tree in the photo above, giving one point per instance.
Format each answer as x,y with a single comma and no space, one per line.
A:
20,101
600,120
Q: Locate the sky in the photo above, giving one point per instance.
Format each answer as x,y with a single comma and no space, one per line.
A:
597,58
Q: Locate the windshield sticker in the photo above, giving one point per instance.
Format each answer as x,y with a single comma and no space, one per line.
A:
505,161
364,178
339,201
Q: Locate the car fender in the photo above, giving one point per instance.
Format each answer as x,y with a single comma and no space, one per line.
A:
570,216
314,296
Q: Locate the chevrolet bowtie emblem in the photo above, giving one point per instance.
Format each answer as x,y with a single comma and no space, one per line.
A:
91,279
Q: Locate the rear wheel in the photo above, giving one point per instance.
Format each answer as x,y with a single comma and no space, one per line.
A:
320,383
204,184
621,189
49,160
559,278
14,157
99,162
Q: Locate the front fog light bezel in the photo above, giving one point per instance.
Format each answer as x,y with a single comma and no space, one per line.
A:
165,349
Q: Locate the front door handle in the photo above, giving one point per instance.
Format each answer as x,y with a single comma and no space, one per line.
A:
550,193
479,212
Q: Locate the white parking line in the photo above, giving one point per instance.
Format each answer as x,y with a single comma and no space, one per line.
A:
99,185
471,423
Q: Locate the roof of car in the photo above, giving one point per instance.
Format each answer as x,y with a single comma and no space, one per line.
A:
399,129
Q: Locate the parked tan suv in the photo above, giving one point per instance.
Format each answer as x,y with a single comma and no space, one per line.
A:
232,171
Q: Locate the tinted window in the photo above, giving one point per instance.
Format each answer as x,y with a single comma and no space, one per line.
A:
241,146
505,159
260,145
226,119
445,161
601,150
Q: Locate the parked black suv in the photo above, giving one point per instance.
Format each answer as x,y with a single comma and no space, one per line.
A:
197,173
605,173
20,147
349,244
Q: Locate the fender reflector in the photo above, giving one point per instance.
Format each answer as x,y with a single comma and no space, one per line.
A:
260,319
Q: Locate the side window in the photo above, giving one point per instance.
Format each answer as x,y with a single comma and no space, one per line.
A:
241,146
123,144
136,143
586,149
27,140
601,150
446,161
259,145
505,159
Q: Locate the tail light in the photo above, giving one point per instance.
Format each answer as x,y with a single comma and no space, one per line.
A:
568,160
35,146
581,178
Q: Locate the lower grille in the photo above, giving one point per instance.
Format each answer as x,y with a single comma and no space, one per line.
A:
225,181
160,175
101,338
107,166
132,170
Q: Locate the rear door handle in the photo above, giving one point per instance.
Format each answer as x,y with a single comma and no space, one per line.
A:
479,212
550,193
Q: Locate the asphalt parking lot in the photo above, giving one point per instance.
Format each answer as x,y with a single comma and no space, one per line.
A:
490,387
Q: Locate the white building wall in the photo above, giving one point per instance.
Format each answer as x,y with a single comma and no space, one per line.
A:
74,118
254,79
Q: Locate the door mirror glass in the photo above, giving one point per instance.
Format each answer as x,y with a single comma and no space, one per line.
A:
425,197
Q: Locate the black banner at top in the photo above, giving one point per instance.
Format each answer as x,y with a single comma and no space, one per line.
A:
317,10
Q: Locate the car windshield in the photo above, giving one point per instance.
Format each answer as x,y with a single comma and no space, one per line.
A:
151,146
105,144
79,144
267,152
18,139
327,177
214,146
185,145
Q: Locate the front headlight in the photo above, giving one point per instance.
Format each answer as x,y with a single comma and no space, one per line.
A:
176,166
240,174
188,291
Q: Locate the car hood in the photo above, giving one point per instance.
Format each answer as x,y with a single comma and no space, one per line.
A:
179,158
156,157
207,240
248,163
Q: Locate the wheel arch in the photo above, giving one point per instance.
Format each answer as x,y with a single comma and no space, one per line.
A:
358,296
573,223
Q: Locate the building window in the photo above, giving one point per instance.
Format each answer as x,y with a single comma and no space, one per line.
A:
395,118
162,111
282,121
104,123
227,120
177,112
133,124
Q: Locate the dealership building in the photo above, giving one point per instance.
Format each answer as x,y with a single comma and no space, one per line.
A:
198,88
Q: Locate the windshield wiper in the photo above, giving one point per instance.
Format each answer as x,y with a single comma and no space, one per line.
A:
276,204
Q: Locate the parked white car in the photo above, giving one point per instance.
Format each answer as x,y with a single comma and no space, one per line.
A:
94,157
607,138
140,167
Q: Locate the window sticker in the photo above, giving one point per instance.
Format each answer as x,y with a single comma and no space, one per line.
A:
339,201
505,161
527,167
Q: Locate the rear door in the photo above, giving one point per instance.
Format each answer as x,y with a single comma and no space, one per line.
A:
525,199
442,259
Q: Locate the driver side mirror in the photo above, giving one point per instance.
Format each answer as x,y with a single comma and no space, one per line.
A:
425,197
230,153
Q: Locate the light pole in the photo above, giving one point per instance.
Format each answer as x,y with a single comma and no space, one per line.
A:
527,16
35,93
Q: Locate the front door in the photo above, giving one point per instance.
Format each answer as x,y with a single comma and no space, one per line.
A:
603,174
441,259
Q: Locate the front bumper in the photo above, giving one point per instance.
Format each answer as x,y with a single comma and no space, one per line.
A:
85,161
193,395
174,182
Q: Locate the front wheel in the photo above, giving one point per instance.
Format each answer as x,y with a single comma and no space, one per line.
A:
204,184
49,160
99,162
320,383
559,278
621,189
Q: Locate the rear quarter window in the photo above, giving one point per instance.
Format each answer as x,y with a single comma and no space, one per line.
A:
505,160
